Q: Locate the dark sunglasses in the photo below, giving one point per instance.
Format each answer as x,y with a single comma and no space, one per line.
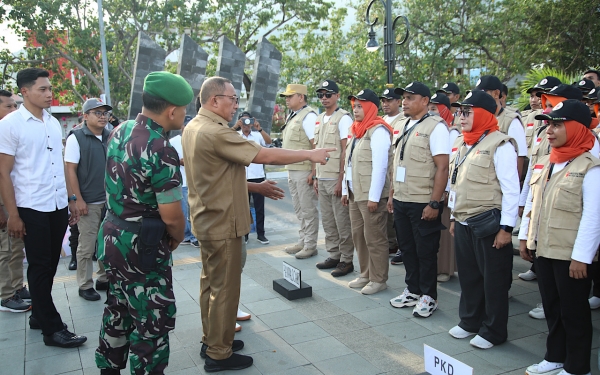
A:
327,95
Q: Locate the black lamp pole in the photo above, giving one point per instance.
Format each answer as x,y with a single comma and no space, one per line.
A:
389,39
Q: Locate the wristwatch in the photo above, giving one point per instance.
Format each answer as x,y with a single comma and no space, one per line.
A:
435,205
506,228
73,198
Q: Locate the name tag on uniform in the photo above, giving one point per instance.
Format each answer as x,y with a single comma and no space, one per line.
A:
451,199
349,174
400,174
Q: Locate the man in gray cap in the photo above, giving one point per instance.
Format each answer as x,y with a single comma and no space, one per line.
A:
85,158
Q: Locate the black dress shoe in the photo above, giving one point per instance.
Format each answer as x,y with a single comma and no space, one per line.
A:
101,285
34,324
237,346
73,264
89,294
235,362
64,339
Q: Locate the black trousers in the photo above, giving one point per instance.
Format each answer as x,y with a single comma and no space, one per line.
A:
74,239
595,269
485,276
43,242
259,208
419,242
568,315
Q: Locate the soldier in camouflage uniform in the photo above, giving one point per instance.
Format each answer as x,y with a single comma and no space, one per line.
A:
142,179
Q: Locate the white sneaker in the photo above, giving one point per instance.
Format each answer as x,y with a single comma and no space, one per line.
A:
238,327
480,342
538,312
545,368
405,299
241,316
359,282
594,302
443,277
528,276
373,287
459,333
425,307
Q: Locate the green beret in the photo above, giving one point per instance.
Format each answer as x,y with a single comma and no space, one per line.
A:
168,86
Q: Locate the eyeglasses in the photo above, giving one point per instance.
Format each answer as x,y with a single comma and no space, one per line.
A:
327,95
464,113
233,98
101,114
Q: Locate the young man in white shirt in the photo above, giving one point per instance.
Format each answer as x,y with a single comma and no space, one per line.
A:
34,191
185,206
85,160
13,294
390,104
251,130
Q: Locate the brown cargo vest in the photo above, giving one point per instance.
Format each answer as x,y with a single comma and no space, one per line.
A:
294,138
557,208
532,127
362,166
505,118
396,125
477,187
328,135
418,161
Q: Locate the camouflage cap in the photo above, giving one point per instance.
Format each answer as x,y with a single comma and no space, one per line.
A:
168,86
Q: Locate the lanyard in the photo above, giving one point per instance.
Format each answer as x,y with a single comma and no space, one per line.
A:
550,170
406,134
457,164
291,116
352,149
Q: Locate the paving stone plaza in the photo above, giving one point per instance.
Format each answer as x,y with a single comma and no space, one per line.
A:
337,331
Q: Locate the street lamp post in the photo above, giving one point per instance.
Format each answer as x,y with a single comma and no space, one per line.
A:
389,39
103,50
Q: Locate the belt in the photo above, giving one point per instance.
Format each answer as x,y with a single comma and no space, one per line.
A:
130,226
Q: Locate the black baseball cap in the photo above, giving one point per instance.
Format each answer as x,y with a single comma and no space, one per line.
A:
566,91
390,94
449,88
480,99
593,94
489,82
415,87
585,85
545,84
367,95
570,109
329,85
439,98
245,113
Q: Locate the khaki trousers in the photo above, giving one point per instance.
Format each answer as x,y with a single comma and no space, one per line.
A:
220,294
11,264
336,223
305,203
369,232
391,232
89,226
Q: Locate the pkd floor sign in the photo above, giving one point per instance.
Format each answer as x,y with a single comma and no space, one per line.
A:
438,363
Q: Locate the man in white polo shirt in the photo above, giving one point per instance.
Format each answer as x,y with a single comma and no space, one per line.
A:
250,129
34,191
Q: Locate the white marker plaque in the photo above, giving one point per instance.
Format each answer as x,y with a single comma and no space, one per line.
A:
292,275
438,363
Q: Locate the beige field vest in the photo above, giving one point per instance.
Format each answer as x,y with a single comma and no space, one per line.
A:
328,135
557,208
294,138
362,166
505,119
418,161
477,188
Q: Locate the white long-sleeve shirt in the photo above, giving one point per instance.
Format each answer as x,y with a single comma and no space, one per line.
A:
588,234
380,145
517,132
505,162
